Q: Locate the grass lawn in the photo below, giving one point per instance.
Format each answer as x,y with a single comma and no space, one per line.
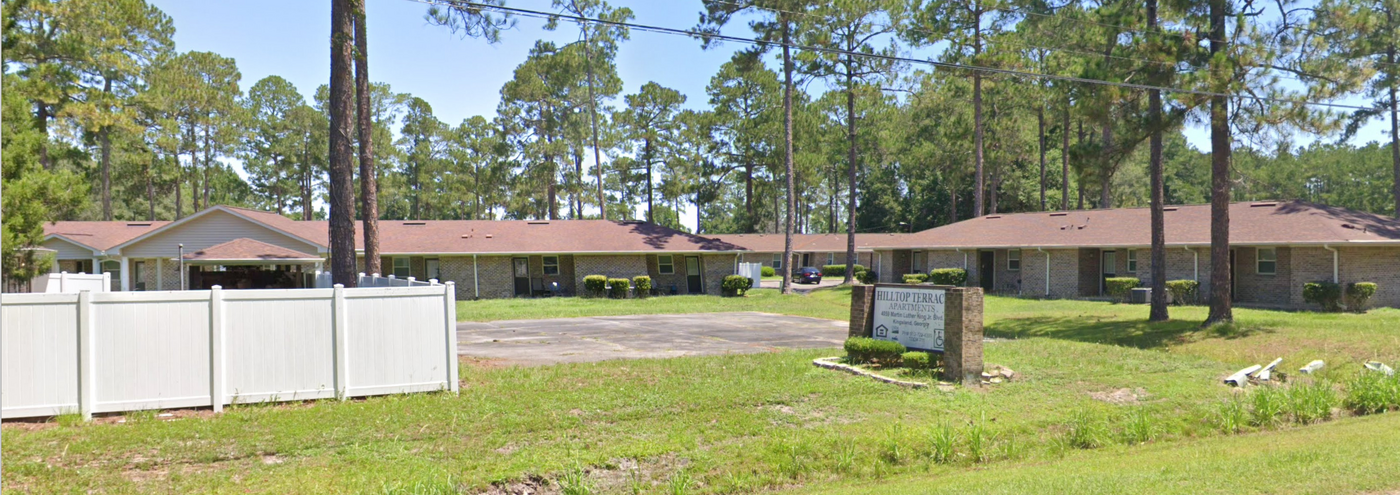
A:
831,303
1092,375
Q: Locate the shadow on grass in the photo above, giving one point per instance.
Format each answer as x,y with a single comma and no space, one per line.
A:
1130,333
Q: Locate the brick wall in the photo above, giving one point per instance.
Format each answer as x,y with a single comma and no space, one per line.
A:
962,343
862,305
715,267
1064,273
1380,265
664,282
611,266
1008,281
1090,275
901,264
1256,288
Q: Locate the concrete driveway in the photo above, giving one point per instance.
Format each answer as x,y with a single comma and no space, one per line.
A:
570,340
803,288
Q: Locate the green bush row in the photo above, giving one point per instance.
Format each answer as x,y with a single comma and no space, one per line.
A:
1183,291
918,360
595,286
867,277
736,285
618,288
840,270
915,278
861,350
956,277
1331,297
1119,287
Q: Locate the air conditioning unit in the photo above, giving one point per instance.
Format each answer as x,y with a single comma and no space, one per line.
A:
1141,295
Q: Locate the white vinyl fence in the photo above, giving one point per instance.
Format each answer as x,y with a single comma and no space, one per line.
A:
754,271
64,282
95,352
323,280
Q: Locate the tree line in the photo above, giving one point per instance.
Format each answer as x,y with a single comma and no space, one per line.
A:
841,116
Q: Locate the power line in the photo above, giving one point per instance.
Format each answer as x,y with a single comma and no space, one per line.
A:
890,58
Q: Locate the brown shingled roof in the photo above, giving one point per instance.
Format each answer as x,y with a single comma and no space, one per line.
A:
533,236
802,243
1252,223
100,235
245,249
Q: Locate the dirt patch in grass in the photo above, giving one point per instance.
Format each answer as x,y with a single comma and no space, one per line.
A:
618,476
1122,396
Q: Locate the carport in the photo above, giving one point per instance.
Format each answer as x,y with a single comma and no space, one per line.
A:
248,264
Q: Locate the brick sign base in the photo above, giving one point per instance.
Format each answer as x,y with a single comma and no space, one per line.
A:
962,328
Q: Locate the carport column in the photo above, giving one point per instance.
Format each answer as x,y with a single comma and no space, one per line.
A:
87,373
862,310
449,301
338,330
216,348
962,335
125,274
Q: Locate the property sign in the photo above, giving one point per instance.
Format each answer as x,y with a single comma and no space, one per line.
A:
911,316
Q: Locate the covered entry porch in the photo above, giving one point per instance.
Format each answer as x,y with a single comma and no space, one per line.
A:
248,264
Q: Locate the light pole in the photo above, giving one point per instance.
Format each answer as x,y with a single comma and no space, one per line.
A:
182,266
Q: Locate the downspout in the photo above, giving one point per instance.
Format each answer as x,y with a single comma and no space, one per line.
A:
476,285
1336,273
1047,270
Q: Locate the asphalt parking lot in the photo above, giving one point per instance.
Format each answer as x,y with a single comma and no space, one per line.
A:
569,340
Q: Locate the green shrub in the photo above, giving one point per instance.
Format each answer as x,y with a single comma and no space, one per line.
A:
1325,294
1269,406
618,288
736,285
595,285
867,277
1311,403
1119,287
840,270
861,350
643,285
917,360
915,278
1371,393
1183,291
948,276
1358,294
768,271
1086,430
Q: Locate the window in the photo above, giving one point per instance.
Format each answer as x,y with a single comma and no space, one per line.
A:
551,265
434,268
831,258
778,261
402,267
1267,261
665,264
1013,260
1132,261
138,275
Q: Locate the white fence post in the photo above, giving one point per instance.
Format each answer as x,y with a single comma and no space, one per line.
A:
87,376
338,322
449,298
62,281
216,348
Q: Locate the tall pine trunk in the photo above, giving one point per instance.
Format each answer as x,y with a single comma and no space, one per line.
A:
1064,160
369,178
1394,108
1221,310
787,156
342,180
1159,228
105,136
978,191
1040,119
851,170
651,198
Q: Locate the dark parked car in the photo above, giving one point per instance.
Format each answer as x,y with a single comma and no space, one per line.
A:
809,275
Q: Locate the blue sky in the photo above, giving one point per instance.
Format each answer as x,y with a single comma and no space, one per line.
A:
459,77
